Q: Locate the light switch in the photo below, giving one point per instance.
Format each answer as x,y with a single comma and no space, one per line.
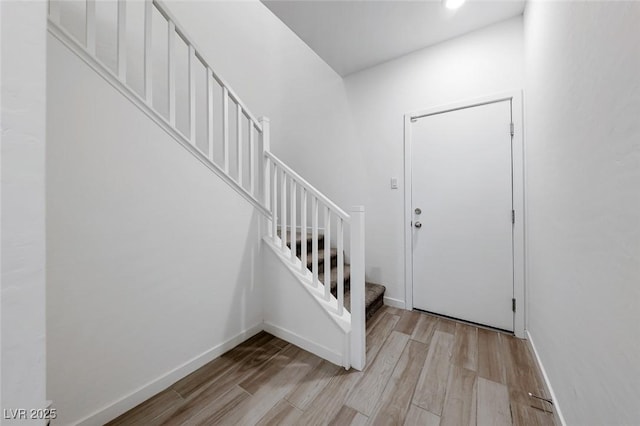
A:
394,183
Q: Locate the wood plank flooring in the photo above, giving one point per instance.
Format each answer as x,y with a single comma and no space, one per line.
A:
421,370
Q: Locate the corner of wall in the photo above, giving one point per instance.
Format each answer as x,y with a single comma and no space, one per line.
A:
557,412
23,29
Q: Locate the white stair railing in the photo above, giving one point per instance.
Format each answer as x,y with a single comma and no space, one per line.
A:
296,194
289,197
250,135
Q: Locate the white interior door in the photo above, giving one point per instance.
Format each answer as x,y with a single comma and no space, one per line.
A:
462,206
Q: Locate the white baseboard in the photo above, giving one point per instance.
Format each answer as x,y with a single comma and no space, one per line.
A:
307,345
394,303
557,413
145,392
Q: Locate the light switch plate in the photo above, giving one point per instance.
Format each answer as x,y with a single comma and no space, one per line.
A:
394,183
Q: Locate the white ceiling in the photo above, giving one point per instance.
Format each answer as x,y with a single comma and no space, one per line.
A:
351,35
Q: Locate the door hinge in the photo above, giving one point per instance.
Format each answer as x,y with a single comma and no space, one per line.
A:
513,304
513,216
512,129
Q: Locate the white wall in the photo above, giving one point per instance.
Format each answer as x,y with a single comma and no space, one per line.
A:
279,76
147,246
22,297
484,62
152,259
297,313
582,108
346,136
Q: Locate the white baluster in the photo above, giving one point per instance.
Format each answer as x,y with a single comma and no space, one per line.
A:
192,95
252,160
327,253
340,248
303,231
283,211
225,128
314,240
265,162
148,52
358,345
172,72
294,207
274,204
90,28
122,40
239,142
210,113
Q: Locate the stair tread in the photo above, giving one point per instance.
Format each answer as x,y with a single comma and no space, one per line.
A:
374,293
333,253
371,293
334,275
299,236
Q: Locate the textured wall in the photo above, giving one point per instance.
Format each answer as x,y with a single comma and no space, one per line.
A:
22,100
152,258
582,107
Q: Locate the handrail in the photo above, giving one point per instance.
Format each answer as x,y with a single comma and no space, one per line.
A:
273,186
250,188
319,195
282,187
164,11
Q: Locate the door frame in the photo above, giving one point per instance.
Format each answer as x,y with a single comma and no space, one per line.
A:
515,96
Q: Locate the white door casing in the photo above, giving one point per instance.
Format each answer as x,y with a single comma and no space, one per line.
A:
468,248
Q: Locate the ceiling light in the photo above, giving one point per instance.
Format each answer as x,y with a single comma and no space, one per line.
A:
452,4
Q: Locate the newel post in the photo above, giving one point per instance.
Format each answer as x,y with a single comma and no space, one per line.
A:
358,344
265,123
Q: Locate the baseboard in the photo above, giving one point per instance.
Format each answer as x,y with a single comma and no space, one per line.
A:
557,413
307,345
145,392
394,303
105,72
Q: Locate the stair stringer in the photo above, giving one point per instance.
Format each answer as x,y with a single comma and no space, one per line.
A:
298,313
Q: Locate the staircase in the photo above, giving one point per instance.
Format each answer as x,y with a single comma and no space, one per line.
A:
326,318
374,293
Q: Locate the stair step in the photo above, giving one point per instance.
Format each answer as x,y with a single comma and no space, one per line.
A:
334,259
374,293
334,278
299,241
373,298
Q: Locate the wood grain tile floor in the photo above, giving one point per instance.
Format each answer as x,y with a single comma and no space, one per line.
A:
421,370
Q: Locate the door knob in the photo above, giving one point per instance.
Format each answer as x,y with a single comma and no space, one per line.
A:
418,225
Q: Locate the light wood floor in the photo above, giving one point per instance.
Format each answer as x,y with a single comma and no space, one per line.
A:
421,370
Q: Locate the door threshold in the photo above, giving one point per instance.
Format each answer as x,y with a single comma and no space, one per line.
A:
475,324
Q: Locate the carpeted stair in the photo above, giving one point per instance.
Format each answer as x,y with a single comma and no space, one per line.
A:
374,293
